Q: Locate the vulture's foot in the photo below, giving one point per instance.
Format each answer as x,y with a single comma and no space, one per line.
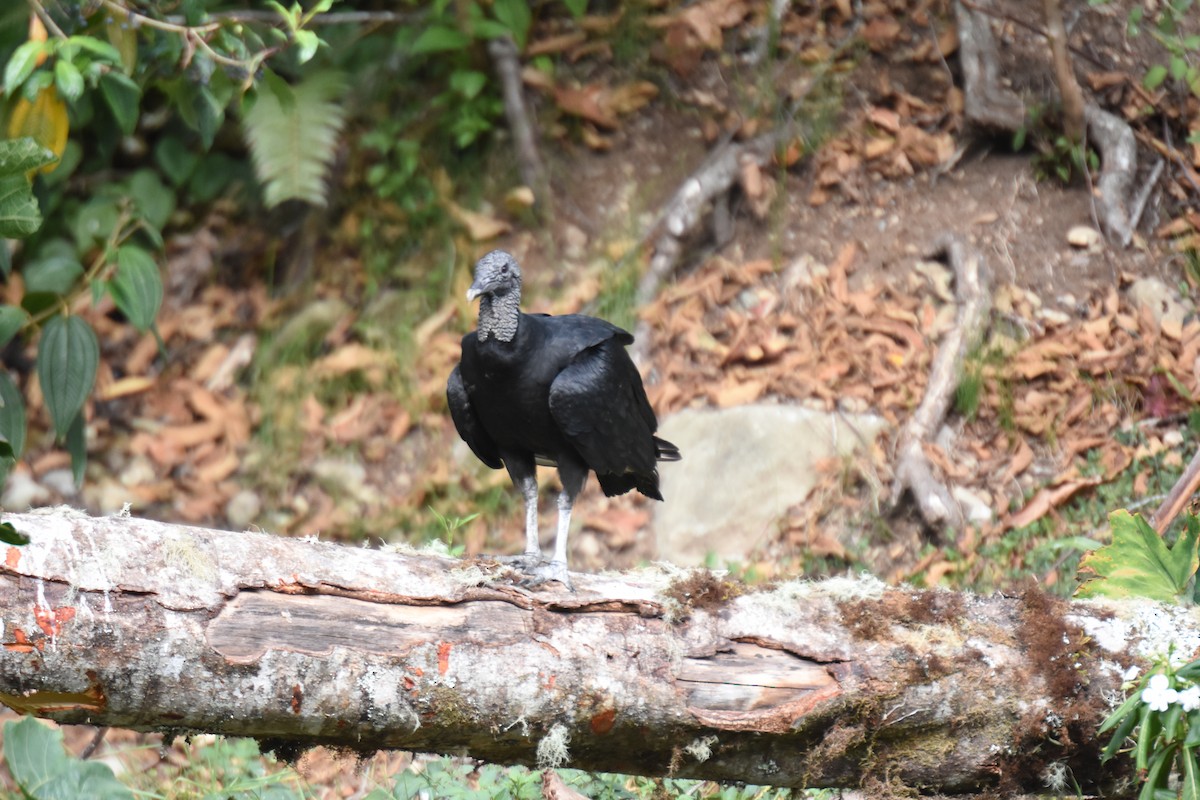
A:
548,572
524,562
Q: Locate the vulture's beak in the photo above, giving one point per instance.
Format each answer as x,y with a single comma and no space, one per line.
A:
481,287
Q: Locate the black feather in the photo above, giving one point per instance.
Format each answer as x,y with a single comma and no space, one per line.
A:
561,390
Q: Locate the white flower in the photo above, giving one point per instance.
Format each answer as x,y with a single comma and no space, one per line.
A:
1131,673
1158,694
1189,698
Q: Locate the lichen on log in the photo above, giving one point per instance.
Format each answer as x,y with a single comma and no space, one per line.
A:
138,624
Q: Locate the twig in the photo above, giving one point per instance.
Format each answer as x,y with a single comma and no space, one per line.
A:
1139,204
1179,496
87,752
46,19
913,470
504,55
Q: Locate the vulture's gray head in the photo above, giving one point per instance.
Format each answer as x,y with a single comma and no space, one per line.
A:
497,275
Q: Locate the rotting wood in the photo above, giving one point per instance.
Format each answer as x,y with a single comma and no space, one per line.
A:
138,624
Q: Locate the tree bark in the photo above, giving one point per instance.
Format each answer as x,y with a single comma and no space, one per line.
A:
138,624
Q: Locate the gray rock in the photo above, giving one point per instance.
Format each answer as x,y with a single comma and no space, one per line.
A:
1160,299
60,481
23,492
344,478
742,469
242,509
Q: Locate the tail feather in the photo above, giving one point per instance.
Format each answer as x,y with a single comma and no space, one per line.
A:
665,451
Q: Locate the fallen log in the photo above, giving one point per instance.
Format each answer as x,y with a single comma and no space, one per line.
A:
126,622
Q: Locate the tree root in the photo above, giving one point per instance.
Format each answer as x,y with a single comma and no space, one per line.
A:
986,102
989,104
913,470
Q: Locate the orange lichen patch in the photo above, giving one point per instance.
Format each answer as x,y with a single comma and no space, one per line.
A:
12,558
444,657
297,698
51,620
20,643
602,723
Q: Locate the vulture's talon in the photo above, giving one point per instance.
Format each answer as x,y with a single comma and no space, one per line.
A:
548,572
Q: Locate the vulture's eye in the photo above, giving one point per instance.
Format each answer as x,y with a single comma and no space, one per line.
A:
504,268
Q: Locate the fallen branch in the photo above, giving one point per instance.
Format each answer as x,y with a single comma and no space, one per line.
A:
1177,499
529,162
1118,157
687,207
138,624
913,470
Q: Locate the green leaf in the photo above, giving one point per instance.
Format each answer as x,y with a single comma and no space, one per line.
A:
5,258
1124,710
10,535
1155,774
515,16
11,320
41,768
1138,562
1128,721
76,444
1146,736
123,97
1170,722
154,201
56,274
1154,77
68,355
137,287
94,221
98,47
19,214
68,79
307,44
176,160
18,156
467,82
440,39
21,65
1189,784
1193,736
292,148
577,8
12,414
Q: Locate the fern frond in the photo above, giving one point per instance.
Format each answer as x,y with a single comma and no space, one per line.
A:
292,143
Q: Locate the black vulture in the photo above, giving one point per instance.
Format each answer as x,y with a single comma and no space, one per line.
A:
553,390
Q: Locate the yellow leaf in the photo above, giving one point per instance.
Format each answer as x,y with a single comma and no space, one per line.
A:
45,119
123,36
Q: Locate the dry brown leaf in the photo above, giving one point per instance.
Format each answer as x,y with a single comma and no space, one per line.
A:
125,387
480,227
1048,498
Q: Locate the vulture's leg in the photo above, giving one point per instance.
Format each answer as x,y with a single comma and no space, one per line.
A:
573,474
533,545
523,471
